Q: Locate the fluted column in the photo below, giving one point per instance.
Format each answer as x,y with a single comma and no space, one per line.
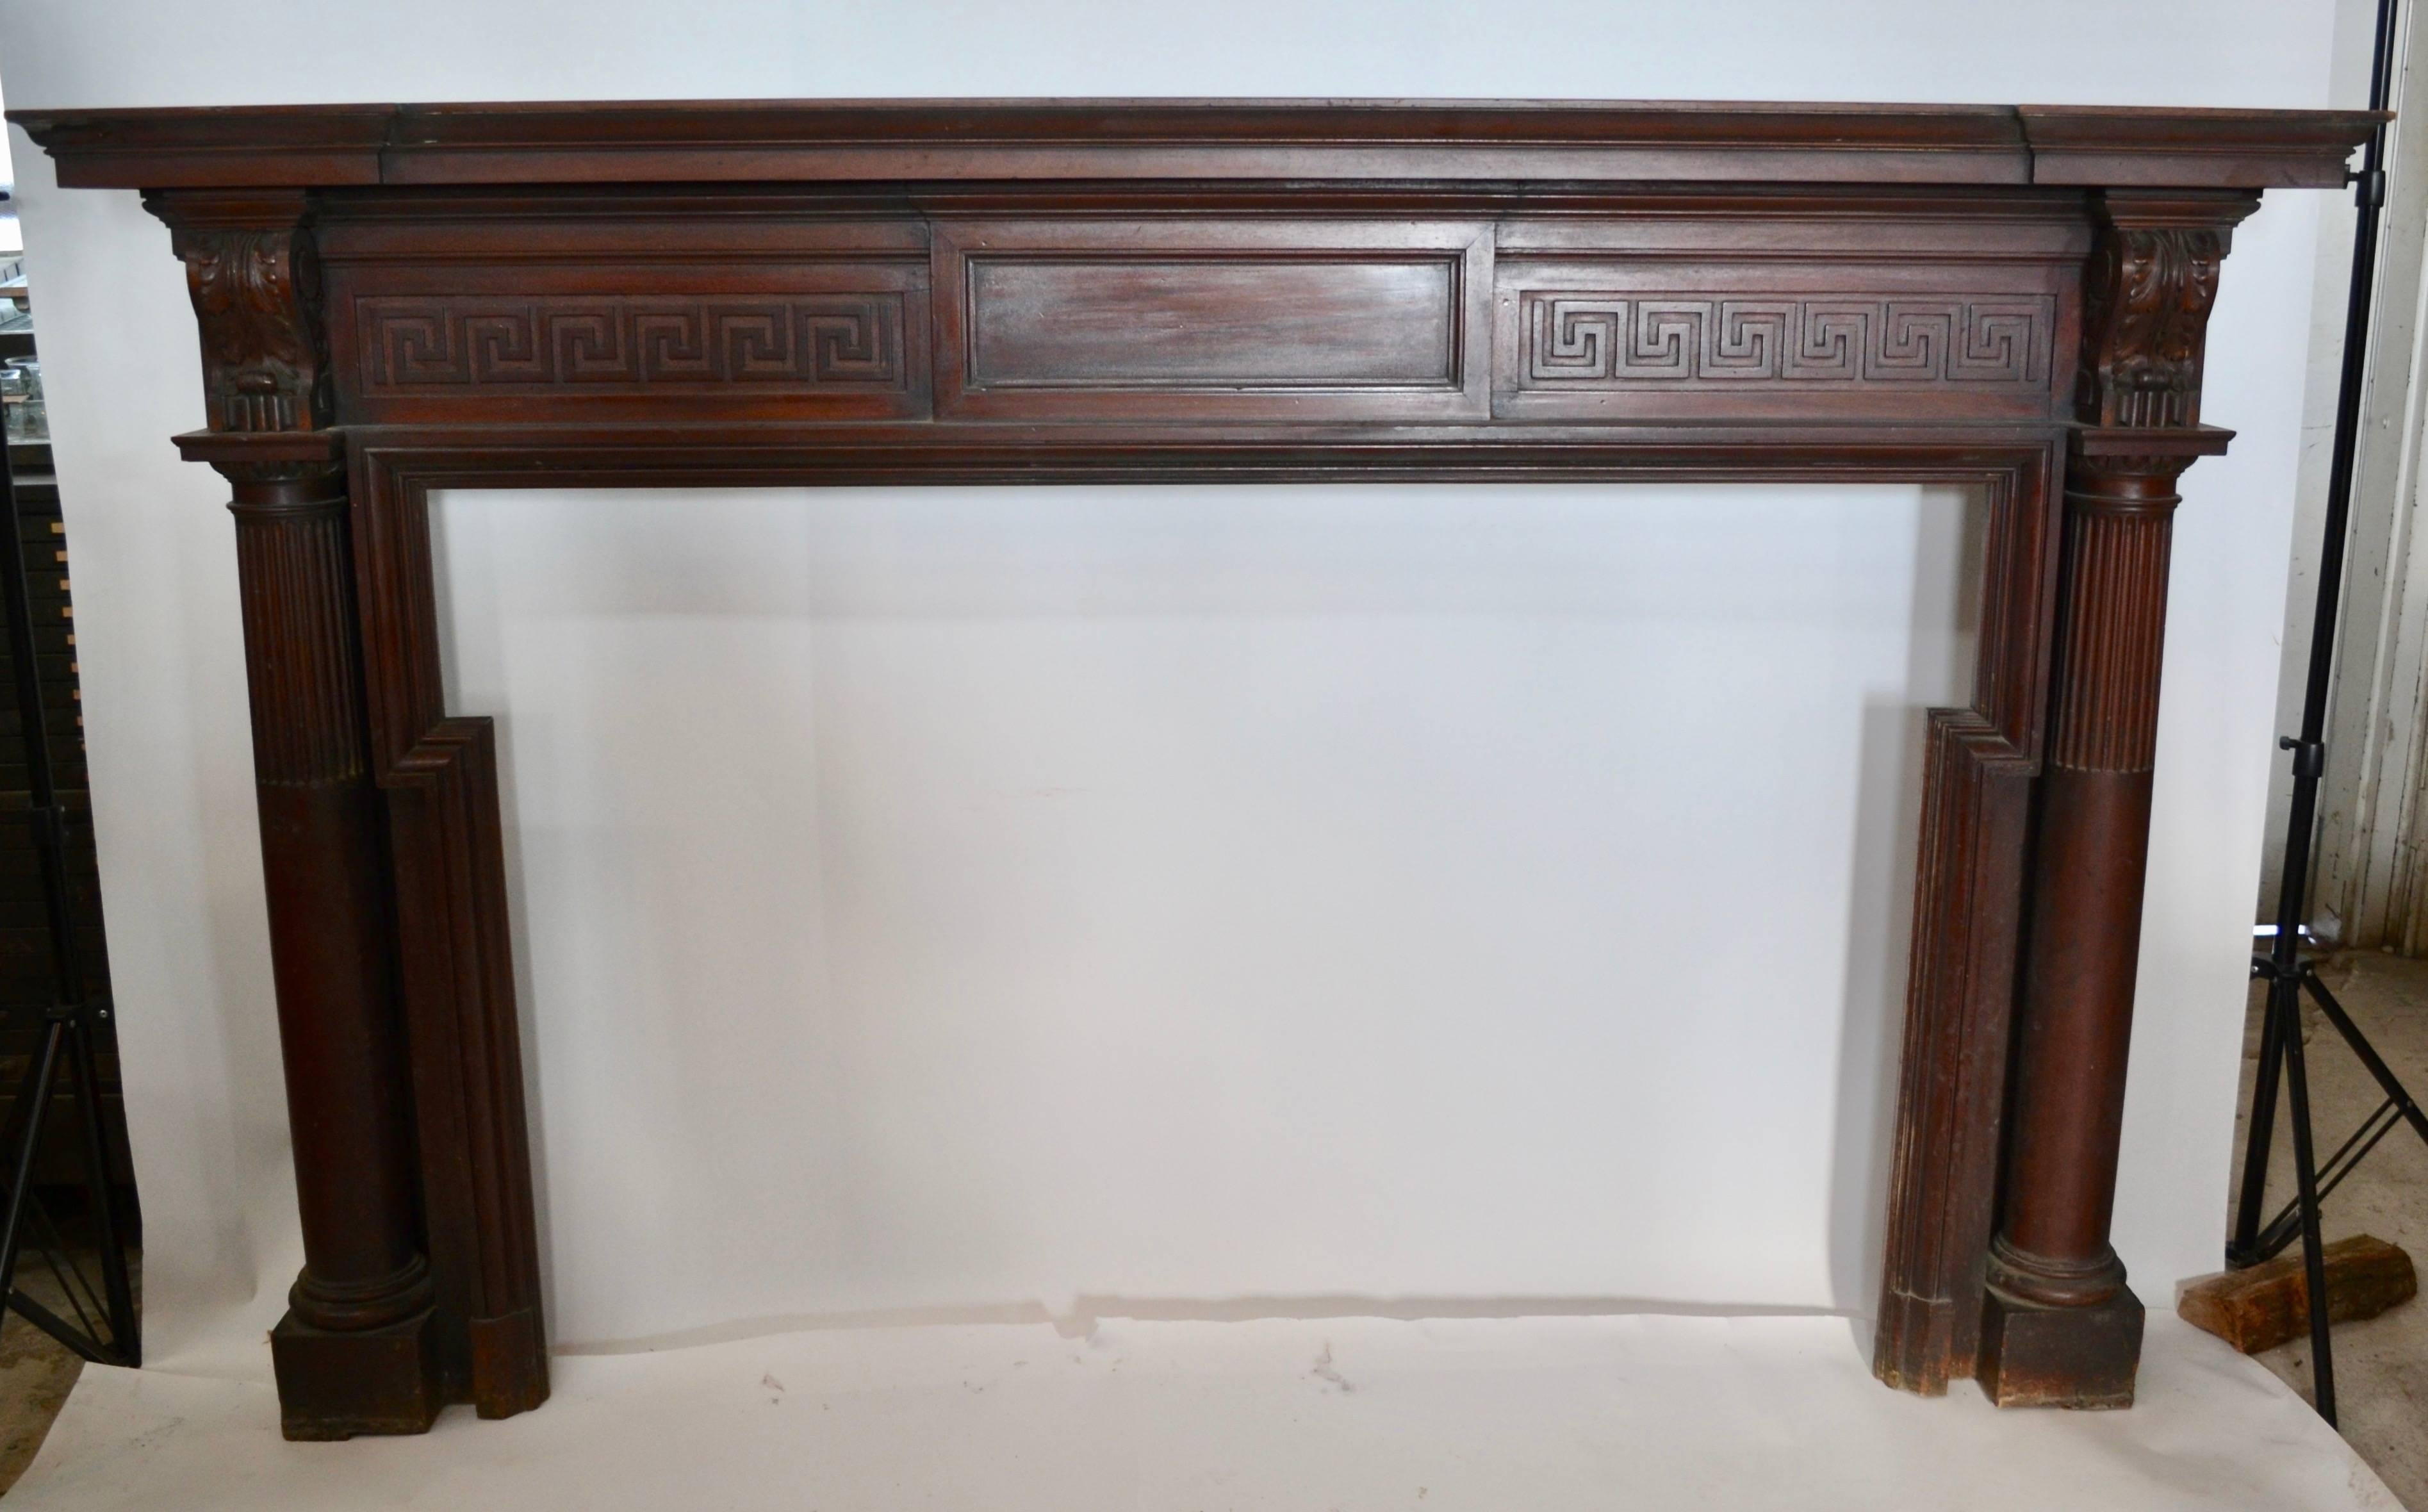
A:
2060,1327
353,1354
356,1353
322,864
2052,1246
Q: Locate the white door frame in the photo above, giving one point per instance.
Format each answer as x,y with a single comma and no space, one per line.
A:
2372,877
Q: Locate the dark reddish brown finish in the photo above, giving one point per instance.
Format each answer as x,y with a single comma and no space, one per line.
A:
2062,1326
1371,140
2075,1356
2104,147
2086,909
458,986
1723,307
251,269
1202,319
365,1282
1977,802
841,293
1220,325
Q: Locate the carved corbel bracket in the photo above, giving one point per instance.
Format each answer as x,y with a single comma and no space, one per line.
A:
255,281
2146,296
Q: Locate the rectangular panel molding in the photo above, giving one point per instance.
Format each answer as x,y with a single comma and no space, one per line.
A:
1294,322
1682,337
420,343
394,299
1242,319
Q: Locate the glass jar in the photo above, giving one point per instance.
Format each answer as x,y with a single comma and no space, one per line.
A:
20,389
16,387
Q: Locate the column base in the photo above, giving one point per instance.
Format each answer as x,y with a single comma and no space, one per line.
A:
339,1385
2040,1356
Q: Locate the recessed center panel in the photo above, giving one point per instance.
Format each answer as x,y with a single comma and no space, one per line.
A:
1212,319
1221,324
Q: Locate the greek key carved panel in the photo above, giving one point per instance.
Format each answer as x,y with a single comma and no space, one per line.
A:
419,344
1611,339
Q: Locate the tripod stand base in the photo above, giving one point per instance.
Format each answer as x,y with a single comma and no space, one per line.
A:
2039,1357
377,1381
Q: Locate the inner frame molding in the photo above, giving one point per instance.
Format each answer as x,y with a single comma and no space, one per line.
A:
393,299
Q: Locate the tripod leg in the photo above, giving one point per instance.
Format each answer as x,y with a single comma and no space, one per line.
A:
2245,1248
125,1337
2314,1261
37,1090
2365,1052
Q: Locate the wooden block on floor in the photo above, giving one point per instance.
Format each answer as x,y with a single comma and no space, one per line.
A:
2269,1305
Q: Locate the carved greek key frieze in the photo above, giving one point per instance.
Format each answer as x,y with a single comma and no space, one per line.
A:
1607,340
416,343
2146,298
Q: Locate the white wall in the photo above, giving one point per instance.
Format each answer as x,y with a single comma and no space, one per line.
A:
1203,893
1180,893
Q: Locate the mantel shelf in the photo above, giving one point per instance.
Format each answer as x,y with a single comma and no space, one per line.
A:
953,141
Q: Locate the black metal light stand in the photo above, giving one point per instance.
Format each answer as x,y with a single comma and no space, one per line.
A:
2287,972
67,1027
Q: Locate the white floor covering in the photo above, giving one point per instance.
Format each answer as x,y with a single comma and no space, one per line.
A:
1527,1415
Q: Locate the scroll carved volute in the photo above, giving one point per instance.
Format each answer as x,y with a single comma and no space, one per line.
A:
2146,296
256,283
2144,320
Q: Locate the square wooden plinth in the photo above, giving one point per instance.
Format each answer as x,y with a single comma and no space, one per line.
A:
337,1385
2036,1356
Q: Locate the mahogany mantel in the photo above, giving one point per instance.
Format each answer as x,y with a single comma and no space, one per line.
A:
394,299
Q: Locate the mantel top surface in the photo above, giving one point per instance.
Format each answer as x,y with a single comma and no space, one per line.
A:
812,141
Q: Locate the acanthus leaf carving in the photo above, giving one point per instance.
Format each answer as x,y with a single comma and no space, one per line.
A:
2146,298
256,295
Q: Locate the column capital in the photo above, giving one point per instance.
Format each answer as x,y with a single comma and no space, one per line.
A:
271,467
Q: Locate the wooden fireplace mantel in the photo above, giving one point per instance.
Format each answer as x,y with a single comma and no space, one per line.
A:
394,299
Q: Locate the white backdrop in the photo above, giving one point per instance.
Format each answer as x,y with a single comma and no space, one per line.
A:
1206,892
961,899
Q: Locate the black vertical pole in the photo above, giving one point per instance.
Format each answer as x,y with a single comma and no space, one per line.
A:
2244,1247
2314,1255
34,1093
2281,1035
68,1028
